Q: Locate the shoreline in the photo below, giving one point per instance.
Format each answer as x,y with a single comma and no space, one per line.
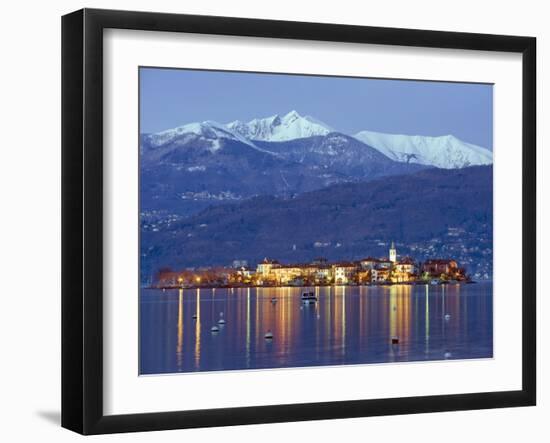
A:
420,283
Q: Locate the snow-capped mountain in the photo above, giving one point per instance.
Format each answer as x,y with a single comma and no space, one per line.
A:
446,152
207,131
193,139
275,128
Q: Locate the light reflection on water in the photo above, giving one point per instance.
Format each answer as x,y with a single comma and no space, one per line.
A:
348,325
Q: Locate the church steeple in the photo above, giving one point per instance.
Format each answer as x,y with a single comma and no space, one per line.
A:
393,253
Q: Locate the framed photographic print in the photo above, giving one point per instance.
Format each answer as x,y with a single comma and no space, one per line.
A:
269,221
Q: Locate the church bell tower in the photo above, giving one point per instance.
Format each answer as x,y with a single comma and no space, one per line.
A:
393,253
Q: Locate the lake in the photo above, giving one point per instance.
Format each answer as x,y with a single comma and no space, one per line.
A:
348,325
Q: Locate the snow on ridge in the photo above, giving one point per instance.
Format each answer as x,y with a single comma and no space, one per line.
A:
446,151
276,128
208,130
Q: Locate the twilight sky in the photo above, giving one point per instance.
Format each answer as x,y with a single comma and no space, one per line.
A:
173,97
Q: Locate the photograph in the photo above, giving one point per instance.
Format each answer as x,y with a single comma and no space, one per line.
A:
293,220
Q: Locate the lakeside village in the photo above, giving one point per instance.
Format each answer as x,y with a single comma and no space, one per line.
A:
271,273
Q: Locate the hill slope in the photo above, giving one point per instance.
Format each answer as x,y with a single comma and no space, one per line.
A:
347,220
185,170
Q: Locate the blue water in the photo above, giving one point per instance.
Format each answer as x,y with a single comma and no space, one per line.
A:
348,325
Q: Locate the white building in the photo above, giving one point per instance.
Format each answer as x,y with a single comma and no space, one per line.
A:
343,272
393,253
380,275
264,268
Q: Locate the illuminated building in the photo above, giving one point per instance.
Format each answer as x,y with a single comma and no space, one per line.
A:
343,272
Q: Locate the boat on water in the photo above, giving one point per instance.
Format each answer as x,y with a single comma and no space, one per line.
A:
434,282
308,297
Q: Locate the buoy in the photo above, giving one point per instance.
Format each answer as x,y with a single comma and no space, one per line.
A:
447,354
194,316
163,289
394,340
447,316
215,329
273,300
268,335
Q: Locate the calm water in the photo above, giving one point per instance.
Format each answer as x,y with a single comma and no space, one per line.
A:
348,325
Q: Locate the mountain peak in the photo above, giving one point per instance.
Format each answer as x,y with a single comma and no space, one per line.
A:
292,115
208,130
275,128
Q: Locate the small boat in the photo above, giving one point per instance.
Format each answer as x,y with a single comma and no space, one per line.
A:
309,297
221,321
194,317
434,282
395,340
268,335
273,300
447,317
214,329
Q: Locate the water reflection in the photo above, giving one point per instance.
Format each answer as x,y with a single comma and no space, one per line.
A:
197,329
179,346
427,321
348,325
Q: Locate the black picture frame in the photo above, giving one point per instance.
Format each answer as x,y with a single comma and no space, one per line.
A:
82,218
